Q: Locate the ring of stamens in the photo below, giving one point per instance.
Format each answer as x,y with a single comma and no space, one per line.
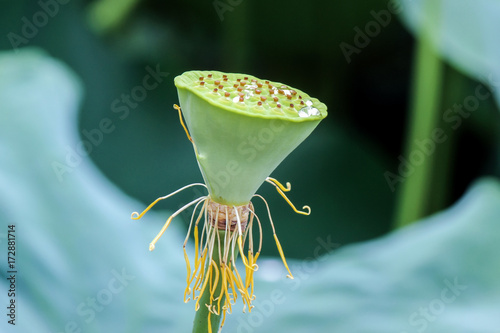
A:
226,231
219,215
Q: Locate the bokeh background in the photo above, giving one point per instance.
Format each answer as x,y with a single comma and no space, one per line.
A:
390,72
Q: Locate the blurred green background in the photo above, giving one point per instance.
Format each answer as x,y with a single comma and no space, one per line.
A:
368,79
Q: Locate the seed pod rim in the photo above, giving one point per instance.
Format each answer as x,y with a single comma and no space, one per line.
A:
186,80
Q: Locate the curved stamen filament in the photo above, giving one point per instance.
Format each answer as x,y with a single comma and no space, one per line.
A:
215,282
278,245
136,216
205,282
275,182
260,228
213,270
188,268
240,236
281,189
280,250
152,245
192,219
178,108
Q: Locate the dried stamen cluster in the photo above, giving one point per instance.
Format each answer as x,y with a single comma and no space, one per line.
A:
217,246
215,271
219,215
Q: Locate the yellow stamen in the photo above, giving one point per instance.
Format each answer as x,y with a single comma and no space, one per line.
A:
178,108
278,245
136,216
215,282
280,250
201,275
248,270
205,282
260,228
276,182
152,245
188,267
241,287
223,289
196,246
280,188
240,243
251,278
242,254
223,319
233,289
209,324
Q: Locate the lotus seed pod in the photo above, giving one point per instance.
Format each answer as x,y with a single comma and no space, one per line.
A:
242,128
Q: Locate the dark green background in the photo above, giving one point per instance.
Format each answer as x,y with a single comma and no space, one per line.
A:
338,171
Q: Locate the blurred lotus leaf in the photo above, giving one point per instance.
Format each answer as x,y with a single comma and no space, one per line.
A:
464,32
438,275
81,262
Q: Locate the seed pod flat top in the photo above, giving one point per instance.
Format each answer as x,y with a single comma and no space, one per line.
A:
246,94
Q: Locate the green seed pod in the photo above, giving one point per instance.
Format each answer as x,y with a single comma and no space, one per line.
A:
242,128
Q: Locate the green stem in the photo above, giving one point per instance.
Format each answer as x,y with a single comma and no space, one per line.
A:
424,120
200,323
455,84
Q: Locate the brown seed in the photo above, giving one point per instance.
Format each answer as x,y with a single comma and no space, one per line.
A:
227,94
275,99
216,82
238,80
209,76
225,79
215,90
291,105
267,82
242,99
243,82
202,83
259,84
289,96
258,91
263,98
241,94
300,97
301,102
278,105
294,92
259,103
224,76
281,92
221,86
240,88
235,85
201,78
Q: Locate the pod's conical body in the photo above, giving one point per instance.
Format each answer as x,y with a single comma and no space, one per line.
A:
242,128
